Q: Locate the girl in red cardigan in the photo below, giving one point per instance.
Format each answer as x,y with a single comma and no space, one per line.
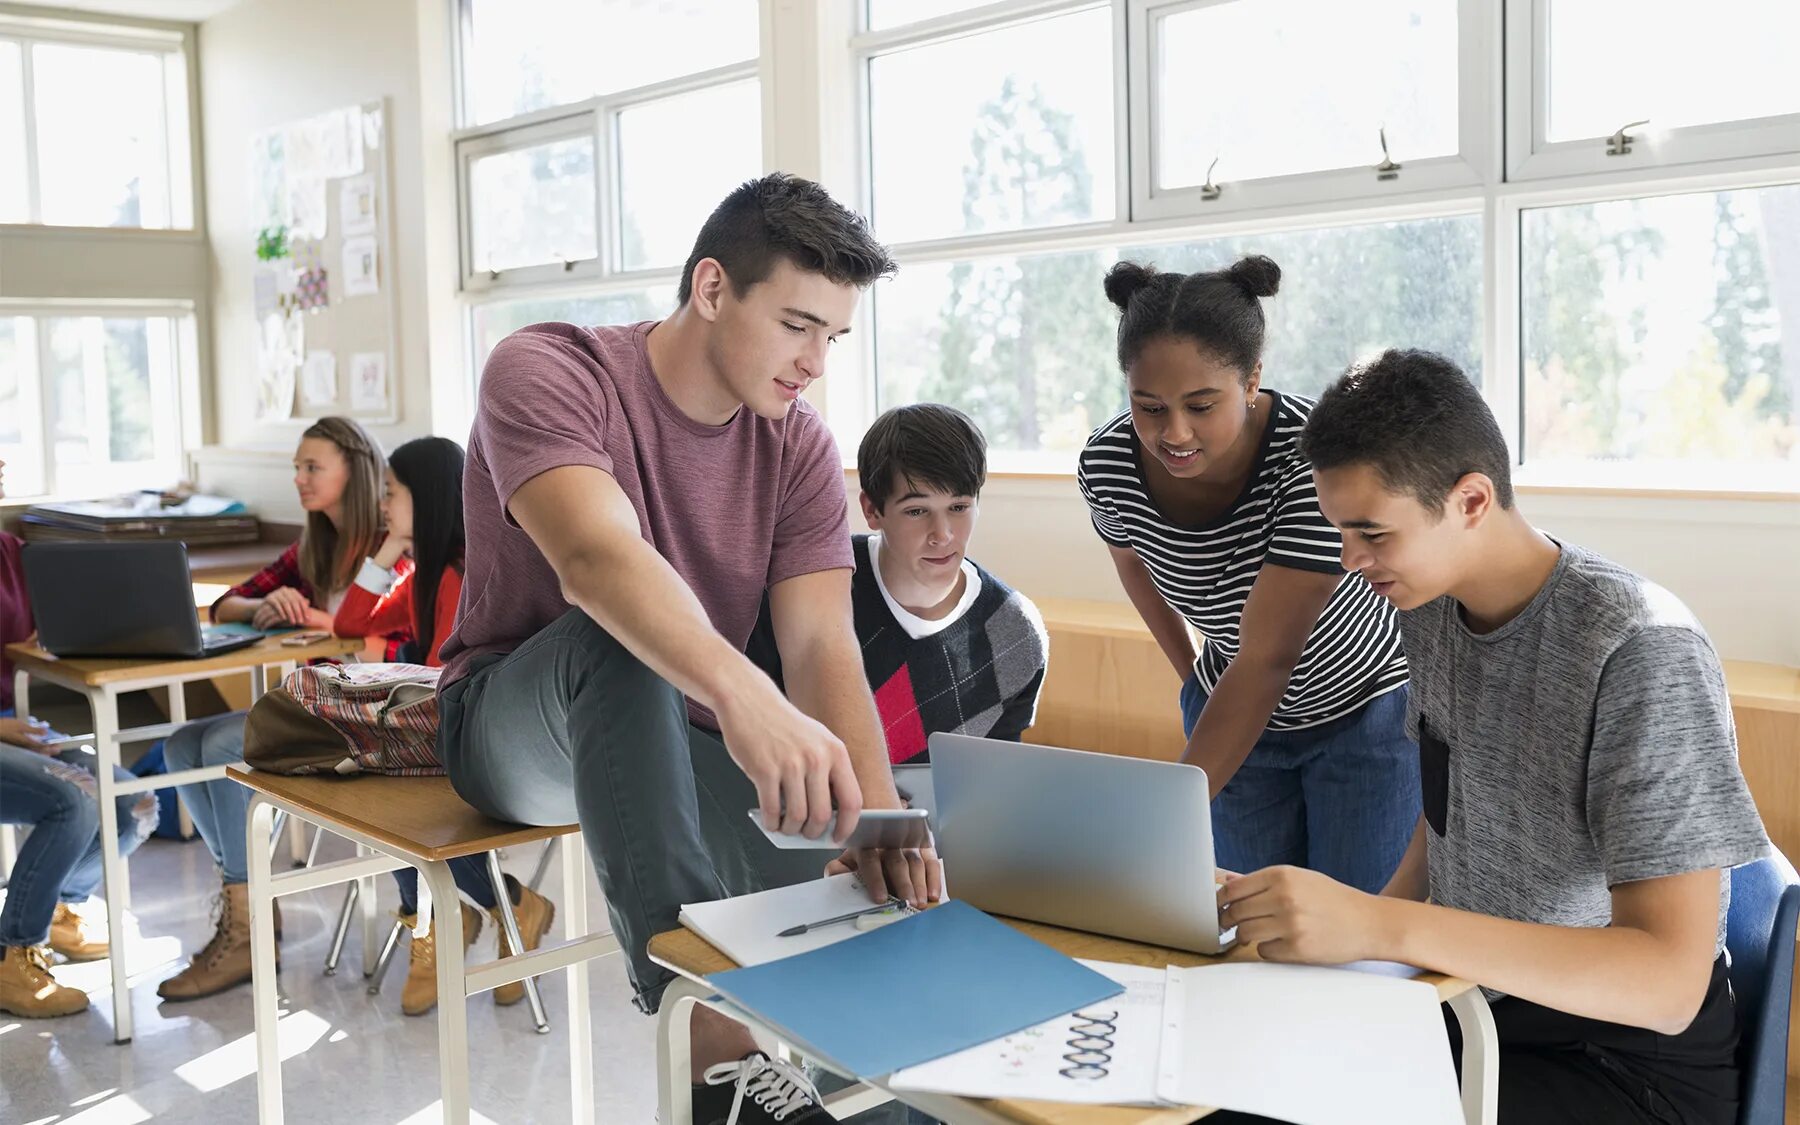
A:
412,584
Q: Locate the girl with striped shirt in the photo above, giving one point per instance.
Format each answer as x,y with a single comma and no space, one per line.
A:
1295,701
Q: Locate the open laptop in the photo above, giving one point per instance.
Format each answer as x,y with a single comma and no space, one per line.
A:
119,599
1097,842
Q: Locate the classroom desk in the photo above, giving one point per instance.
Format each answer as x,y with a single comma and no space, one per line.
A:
692,958
103,681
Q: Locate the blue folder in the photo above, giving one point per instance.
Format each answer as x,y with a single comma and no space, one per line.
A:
914,990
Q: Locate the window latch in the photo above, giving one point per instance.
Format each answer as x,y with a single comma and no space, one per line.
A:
1619,144
1209,191
1387,169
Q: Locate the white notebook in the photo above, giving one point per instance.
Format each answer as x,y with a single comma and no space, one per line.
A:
747,928
1316,1046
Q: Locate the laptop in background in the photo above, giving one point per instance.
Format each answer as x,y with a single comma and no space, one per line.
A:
119,600
1095,842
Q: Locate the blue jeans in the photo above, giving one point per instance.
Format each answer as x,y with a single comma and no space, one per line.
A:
470,872
220,809
1341,798
572,726
60,860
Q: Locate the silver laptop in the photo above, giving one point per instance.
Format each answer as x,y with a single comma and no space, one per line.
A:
1097,842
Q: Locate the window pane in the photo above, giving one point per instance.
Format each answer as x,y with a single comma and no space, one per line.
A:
1670,64
533,205
100,389
15,197
495,320
528,54
1026,345
19,409
1281,87
1653,329
103,149
667,190
1003,131
893,13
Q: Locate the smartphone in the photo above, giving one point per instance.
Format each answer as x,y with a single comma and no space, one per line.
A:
876,828
300,640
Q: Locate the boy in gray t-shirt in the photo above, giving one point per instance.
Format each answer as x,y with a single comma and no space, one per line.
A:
1582,798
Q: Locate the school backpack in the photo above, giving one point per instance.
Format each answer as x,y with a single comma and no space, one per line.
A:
348,718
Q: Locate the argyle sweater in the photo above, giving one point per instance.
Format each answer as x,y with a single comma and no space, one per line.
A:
979,676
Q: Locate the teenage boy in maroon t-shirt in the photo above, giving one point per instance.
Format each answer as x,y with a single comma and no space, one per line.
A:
630,494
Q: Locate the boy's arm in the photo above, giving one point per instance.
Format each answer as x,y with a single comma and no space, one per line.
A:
822,667
1412,879
588,531
1648,969
1016,717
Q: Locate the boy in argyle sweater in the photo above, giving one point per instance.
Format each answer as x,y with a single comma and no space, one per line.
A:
946,645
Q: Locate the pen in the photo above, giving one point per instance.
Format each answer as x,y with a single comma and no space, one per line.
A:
796,931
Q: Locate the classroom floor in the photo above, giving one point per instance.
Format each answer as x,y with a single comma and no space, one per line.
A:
194,1062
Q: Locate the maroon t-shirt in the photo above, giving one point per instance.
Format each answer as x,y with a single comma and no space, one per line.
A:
15,610
733,508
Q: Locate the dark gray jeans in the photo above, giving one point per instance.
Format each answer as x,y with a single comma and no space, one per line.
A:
570,726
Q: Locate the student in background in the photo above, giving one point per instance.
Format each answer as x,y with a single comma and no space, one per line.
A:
337,472
412,584
58,866
946,646
1583,803
1295,703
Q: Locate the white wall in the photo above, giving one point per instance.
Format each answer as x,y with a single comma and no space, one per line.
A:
1736,563
264,63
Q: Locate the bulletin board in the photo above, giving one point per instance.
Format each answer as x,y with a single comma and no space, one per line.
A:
324,301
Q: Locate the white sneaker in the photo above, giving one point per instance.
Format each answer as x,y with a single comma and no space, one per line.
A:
762,1089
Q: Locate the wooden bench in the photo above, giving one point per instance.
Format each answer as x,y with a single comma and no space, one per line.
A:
418,822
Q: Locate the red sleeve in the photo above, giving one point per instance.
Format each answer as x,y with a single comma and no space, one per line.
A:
364,614
444,613
284,571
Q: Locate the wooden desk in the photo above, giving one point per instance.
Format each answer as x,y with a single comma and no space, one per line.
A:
103,681
693,959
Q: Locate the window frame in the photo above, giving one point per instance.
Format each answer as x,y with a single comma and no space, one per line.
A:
179,148
167,395
1470,167
1531,156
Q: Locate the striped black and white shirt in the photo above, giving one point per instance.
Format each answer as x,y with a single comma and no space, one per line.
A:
1353,654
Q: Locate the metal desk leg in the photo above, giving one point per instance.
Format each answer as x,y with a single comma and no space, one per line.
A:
509,928
674,1052
1480,1058
105,707
452,989
264,996
581,1008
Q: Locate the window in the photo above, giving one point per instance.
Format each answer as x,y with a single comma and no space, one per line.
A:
495,320
526,55
1025,344
641,116
88,402
1631,311
1006,130
96,127
1659,331
1681,85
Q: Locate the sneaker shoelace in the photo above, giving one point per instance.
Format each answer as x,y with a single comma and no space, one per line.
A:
780,1088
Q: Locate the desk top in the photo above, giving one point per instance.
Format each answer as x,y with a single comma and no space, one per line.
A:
692,956
83,672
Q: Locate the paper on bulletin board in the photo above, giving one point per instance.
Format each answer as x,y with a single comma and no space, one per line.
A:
360,276
268,178
281,343
319,380
368,381
371,127
356,205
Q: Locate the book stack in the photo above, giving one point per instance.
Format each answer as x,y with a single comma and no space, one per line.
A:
197,521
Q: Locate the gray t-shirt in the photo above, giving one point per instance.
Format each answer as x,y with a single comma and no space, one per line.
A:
1587,742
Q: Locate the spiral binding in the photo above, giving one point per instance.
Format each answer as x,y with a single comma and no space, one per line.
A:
1091,1046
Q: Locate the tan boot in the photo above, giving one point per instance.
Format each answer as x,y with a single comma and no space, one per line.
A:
420,993
535,913
73,937
225,962
27,988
